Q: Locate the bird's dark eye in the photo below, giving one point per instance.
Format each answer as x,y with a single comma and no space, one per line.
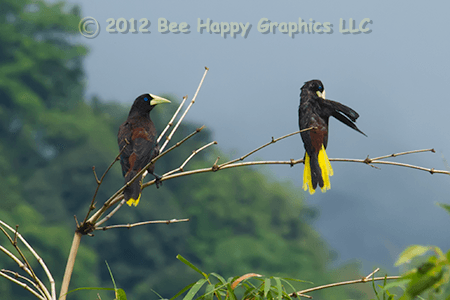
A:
320,88
146,99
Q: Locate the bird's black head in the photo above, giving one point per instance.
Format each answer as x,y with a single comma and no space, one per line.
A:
145,103
315,87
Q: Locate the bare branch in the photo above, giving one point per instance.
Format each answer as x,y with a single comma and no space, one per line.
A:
180,169
292,162
185,112
371,274
69,266
36,256
170,124
99,182
273,141
362,280
20,283
403,153
114,201
21,266
142,223
370,161
17,275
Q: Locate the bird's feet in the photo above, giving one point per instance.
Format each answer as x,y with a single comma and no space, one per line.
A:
158,181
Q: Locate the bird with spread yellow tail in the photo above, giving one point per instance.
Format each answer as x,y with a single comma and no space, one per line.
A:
315,111
138,135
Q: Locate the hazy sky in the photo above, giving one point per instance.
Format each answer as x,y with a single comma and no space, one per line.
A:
395,76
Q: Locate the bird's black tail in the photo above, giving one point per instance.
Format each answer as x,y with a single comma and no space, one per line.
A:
132,193
344,114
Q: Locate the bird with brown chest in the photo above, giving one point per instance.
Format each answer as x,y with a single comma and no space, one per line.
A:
315,111
138,135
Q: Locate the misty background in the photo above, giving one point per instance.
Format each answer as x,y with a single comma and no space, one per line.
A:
395,77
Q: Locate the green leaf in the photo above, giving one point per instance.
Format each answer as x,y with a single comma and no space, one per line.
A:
298,280
425,282
221,279
266,287
209,292
290,285
184,260
112,277
444,206
91,288
231,294
120,294
182,291
397,283
410,253
279,288
190,295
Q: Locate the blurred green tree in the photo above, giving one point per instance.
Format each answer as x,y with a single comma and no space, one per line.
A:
50,137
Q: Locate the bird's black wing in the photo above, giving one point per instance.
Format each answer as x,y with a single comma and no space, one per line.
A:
145,148
124,139
343,113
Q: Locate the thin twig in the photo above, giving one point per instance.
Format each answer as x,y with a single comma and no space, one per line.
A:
185,112
365,161
362,280
22,284
21,266
15,259
181,168
273,141
17,275
142,223
120,197
371,274
403,153
36,256
170,124
99,182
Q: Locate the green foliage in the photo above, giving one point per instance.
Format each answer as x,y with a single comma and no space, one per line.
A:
426,275
217,286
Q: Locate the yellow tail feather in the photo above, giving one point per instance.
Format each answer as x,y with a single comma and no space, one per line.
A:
327,170
133,201
325,166
307,181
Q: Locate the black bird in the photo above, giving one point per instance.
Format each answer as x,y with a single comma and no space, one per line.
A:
138,135
315,111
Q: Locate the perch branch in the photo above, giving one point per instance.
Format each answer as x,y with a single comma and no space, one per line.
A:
293,162
142,223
